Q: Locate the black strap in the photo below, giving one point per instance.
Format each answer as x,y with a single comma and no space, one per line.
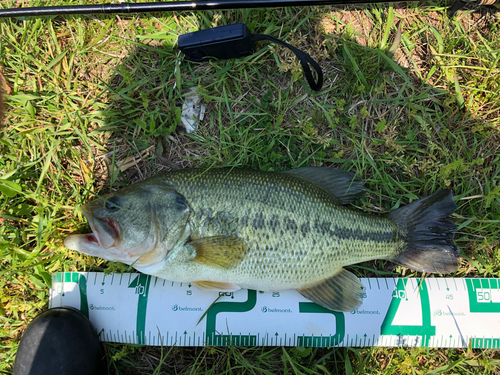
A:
303,57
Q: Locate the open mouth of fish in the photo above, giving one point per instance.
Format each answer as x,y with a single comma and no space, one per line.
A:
105,232
106,241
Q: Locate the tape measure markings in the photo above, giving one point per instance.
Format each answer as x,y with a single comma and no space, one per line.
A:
414,312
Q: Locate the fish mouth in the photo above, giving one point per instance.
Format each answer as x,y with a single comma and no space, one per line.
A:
105,231
106,241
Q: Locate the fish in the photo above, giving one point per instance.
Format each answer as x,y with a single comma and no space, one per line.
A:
226,229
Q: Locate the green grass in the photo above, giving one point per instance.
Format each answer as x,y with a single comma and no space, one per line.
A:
409,111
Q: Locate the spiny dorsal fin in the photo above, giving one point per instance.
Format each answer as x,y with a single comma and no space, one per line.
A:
216,286
346,186
342,292
219,251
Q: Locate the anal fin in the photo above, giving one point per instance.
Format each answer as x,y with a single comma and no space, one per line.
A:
216,286
342,292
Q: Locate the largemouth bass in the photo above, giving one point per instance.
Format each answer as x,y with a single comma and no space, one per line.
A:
226,229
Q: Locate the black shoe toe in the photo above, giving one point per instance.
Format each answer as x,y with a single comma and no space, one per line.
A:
60,341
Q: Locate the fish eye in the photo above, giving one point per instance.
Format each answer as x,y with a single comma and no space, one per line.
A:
112,204
182,203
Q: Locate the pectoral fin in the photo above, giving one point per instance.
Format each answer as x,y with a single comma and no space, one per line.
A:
343,292
216,286
219,252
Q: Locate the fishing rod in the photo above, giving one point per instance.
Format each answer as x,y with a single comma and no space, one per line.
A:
177,6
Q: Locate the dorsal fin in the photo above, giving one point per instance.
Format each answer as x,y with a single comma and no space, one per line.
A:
346,186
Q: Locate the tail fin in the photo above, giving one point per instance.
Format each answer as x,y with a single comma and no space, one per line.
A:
429,240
